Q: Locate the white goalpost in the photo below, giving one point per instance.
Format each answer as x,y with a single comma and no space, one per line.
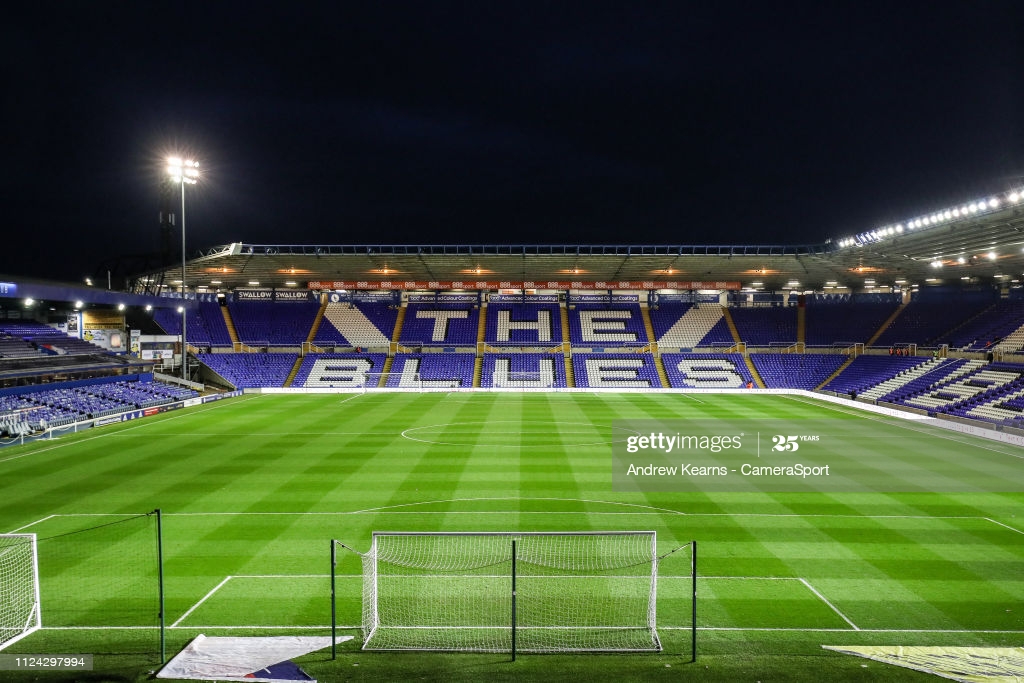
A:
537,592
19,587
393,381
522,380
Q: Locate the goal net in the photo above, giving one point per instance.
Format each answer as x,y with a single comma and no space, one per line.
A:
19,587
407,381
508,592
523,380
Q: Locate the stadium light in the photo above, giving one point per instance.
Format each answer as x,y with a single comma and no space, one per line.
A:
183,172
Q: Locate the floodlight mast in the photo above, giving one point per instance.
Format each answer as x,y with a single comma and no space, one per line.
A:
183,172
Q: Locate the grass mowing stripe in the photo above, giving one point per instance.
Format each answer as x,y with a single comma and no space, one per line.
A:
258,489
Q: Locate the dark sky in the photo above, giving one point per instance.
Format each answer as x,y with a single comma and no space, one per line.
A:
486,122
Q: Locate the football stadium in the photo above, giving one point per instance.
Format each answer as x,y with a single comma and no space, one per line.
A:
494,462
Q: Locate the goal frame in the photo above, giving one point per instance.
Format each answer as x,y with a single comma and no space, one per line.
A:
378,381
34,621
371,606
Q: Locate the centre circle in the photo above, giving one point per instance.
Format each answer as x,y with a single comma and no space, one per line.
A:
517,434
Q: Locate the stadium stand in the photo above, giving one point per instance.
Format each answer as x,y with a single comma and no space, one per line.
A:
615,370
267,323
434,370
356,325
523,324
440,325
684,326
338,369
924,321
706,370
796,370
523,370
248,370
765,326
845,321
600,325
205,324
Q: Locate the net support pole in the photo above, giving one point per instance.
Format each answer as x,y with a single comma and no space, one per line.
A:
160,580
513,599
334,600
693,607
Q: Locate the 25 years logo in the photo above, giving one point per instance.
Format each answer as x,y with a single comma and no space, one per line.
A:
785,443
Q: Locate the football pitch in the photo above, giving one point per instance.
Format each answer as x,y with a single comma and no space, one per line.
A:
253,489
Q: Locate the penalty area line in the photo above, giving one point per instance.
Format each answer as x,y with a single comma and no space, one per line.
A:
206,597
826,601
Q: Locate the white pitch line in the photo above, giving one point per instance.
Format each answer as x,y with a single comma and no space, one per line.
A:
756,629
1005,526
201,601
143,423
353,396
826,601
38,521
868,416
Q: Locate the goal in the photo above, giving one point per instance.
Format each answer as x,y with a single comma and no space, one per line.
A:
393,381
19,587
508,591
523,380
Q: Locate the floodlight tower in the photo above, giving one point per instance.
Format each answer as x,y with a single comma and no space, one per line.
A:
183,172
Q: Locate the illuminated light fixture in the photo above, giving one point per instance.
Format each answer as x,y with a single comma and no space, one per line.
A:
899,227
181,309
993,203
869,282
149,307
120,307
757,284
183,172
948,214
29,301
932,279
961,260
936,264
956,213
992,255
88,281
254,283
900,282
290,283
215,282
78,304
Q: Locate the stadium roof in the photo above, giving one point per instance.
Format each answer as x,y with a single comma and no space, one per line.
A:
981,245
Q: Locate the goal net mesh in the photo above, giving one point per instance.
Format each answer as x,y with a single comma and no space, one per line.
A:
19,587
574,592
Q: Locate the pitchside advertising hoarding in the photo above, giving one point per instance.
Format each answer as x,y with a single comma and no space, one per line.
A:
278,295
775,456
521,284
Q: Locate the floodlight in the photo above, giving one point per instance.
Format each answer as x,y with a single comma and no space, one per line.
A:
120,307
78,304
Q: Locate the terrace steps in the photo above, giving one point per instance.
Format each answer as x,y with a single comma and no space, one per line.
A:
565,323
570,378
884,326
481,330
383,381
838,372
801,324
750,365
397,332
478,366
295,370
315,327
645,313
230,324
734,332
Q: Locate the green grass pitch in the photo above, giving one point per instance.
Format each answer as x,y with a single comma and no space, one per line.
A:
253,489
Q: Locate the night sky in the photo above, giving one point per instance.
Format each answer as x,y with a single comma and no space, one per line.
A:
486,122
